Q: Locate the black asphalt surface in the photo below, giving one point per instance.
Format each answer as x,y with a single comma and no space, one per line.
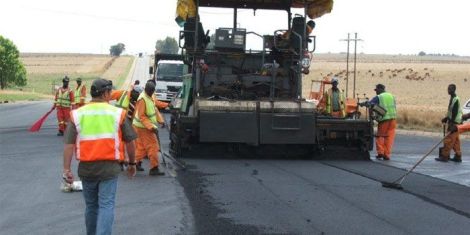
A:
233,196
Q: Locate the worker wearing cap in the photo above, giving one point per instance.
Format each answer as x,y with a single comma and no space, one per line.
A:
387,123
335,101
97,135
63,101
80,94
453,118
145,123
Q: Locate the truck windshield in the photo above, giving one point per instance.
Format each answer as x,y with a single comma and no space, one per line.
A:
170,72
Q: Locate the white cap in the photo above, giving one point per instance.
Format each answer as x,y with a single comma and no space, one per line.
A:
334,79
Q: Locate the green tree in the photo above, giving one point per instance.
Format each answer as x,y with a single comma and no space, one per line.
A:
116,50
167,46
12,70
422,53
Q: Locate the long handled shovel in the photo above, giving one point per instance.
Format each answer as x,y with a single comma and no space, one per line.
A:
397,183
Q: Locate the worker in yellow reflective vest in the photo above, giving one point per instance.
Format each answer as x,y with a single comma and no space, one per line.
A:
97,135
80,94
64,98
335,100
145,123
453,118
387,124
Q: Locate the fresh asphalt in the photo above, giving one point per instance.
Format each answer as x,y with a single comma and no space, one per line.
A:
231,195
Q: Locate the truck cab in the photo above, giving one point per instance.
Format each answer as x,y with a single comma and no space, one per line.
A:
169,79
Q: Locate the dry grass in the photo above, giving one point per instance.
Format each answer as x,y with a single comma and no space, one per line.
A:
45,71
418,83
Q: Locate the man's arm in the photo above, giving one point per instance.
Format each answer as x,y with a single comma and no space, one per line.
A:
83,94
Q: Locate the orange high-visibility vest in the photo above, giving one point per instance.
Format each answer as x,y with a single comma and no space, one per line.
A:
99,132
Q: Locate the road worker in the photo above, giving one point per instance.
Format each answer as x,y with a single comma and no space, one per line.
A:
387,123
80,94
97,133
64,98
335,100
145,123
453,118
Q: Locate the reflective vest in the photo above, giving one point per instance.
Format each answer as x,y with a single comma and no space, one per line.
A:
458,119
150,111
99,132
387,101
124,100
78,94
63,98
329,100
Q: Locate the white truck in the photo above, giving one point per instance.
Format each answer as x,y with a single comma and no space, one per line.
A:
169,79
466,107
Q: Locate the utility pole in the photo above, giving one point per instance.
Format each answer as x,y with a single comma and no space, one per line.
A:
355,40
347,64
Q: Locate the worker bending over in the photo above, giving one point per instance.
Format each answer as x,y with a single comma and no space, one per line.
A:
145,123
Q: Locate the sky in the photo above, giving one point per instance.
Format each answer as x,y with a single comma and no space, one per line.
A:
92,26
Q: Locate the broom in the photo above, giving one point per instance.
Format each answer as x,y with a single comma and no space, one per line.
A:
37,125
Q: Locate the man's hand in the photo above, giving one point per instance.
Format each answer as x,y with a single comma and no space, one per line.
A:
444,120
162,125
67,176
131,171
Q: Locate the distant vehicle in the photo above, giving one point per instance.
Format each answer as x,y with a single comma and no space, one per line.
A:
169,78
466,107
140,54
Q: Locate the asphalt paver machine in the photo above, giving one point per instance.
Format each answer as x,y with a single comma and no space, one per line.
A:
250,101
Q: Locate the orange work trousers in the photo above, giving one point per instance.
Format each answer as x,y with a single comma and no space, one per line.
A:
63,116
385,137
451,142
146,145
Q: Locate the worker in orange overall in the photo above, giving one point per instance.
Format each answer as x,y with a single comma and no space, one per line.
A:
453,118
387,123
335,100
80,94
64,98
146,120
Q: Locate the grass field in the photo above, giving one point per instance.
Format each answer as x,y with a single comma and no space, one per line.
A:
418,83
45,72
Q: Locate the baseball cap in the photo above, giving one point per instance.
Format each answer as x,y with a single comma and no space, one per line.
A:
100,85
334,79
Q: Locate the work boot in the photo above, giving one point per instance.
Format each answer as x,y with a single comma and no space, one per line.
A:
456,158
379,156
139,167
156,171
60,133
441,159
386,158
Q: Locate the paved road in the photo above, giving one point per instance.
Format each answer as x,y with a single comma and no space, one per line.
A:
233,196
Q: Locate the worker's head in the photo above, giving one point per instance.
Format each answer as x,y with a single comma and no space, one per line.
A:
136,82
150,87
65,82
136,92
310,27
379,89
101,89
451,89
79,81
334,82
